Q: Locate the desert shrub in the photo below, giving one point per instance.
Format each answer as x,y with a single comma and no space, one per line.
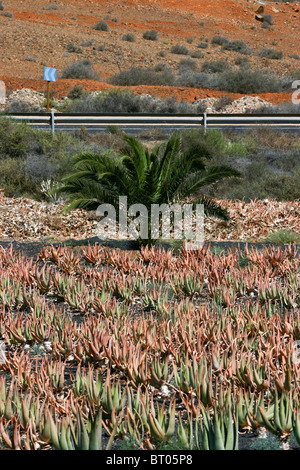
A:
128,37
248,81
39,167
142,76
283,108
101,48
202,45
180,49
118,101
220,40
76,92
242,61
13,138
215,66
101,26
270,53
295,56
195,80
80,69
223,102
196,54
237,45
73,48
187,64
52,6
283,236
209,143
30,59
1,6
151,35
8,14
16,106
267,175
161,54
161,67
87,43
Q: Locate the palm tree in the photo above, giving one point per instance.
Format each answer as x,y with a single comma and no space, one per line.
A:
164,175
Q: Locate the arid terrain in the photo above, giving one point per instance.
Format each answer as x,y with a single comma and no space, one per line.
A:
34,33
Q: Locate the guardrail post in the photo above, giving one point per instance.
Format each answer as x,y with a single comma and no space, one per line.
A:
205,122
52,122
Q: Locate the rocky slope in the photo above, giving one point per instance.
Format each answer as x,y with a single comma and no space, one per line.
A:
34,33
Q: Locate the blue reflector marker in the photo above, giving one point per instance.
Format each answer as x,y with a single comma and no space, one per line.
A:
49,74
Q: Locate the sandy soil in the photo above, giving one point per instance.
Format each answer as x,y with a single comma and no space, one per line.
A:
41,34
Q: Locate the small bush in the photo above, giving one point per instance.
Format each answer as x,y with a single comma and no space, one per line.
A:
271,54
151,35
202,45
215,66
76,92
8,14
119,101
187,64
1,6
283,237
197,55
80,69
295,56
223,102
180,49
101,26
128,37
17,106
242,61
220,40
248,81
87,43
52,6
74,48
30,59
237,46
142,76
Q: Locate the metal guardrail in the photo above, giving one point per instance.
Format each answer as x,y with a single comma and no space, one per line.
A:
61,120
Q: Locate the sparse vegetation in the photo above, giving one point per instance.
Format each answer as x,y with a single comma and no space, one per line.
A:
73,48
151,35
179,49
128,37
270,53
237,45
101,26
220,40
80,69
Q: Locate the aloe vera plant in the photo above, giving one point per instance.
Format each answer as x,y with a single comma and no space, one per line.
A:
67,435
219,432
281,423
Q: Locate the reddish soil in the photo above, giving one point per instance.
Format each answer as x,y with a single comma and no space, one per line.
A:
42,35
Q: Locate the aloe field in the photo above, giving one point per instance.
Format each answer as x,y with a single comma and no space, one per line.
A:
103,348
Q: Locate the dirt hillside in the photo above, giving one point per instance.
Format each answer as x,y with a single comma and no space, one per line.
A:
34,33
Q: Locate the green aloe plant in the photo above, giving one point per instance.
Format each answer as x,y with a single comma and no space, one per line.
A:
165,175
281,423
219,431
